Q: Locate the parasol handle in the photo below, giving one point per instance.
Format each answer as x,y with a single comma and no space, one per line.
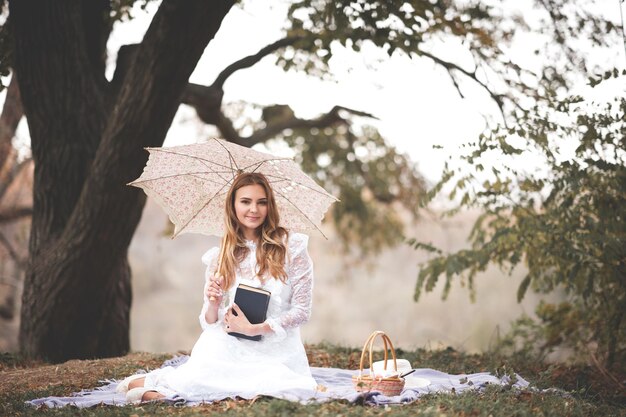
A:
219,263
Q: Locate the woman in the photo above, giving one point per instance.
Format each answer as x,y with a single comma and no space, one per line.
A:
260,253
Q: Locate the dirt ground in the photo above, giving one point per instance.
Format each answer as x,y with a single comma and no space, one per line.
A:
74,374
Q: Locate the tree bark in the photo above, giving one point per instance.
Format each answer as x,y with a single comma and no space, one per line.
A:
77,294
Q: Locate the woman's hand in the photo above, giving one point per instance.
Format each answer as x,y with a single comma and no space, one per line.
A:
214,291
238,323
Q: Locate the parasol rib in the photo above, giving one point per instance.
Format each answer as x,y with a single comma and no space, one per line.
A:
185,174
323,192
230,157
301,212
163,150
198,211
203,160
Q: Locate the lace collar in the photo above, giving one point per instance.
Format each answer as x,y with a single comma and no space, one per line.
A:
251,244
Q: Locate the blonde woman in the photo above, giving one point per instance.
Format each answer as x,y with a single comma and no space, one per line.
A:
260,253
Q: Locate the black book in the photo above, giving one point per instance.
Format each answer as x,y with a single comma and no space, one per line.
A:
253,302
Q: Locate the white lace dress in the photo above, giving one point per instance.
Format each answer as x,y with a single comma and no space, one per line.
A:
222,366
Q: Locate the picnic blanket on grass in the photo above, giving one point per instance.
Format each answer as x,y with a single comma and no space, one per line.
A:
333,384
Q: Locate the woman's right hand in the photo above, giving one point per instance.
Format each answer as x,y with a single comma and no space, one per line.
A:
214,291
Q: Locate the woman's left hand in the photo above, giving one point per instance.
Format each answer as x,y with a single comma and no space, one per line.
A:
238,323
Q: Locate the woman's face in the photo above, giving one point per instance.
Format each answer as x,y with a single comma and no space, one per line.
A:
250,208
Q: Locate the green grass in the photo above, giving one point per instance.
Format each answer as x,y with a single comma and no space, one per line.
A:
573,390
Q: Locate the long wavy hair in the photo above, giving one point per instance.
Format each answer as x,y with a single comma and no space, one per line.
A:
271,248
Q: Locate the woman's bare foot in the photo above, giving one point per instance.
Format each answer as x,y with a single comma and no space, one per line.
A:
148,395
136,383
139,395
151,396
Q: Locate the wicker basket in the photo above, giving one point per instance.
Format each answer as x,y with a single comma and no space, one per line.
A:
389,386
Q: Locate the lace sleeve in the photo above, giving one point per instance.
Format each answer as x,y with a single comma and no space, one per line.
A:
210,260
300,276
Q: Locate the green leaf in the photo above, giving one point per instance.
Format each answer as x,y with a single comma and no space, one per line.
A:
523,287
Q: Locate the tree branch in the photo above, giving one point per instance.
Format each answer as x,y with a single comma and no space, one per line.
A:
455,83
207,101
12,113
11,251
250,60
561,38
12,173
328,119
15,213
451,66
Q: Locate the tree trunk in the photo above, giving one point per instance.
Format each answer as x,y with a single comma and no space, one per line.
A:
77,294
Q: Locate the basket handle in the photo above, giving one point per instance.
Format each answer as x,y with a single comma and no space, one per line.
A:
368,347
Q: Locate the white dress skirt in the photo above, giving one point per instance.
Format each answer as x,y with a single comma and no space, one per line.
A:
222,366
